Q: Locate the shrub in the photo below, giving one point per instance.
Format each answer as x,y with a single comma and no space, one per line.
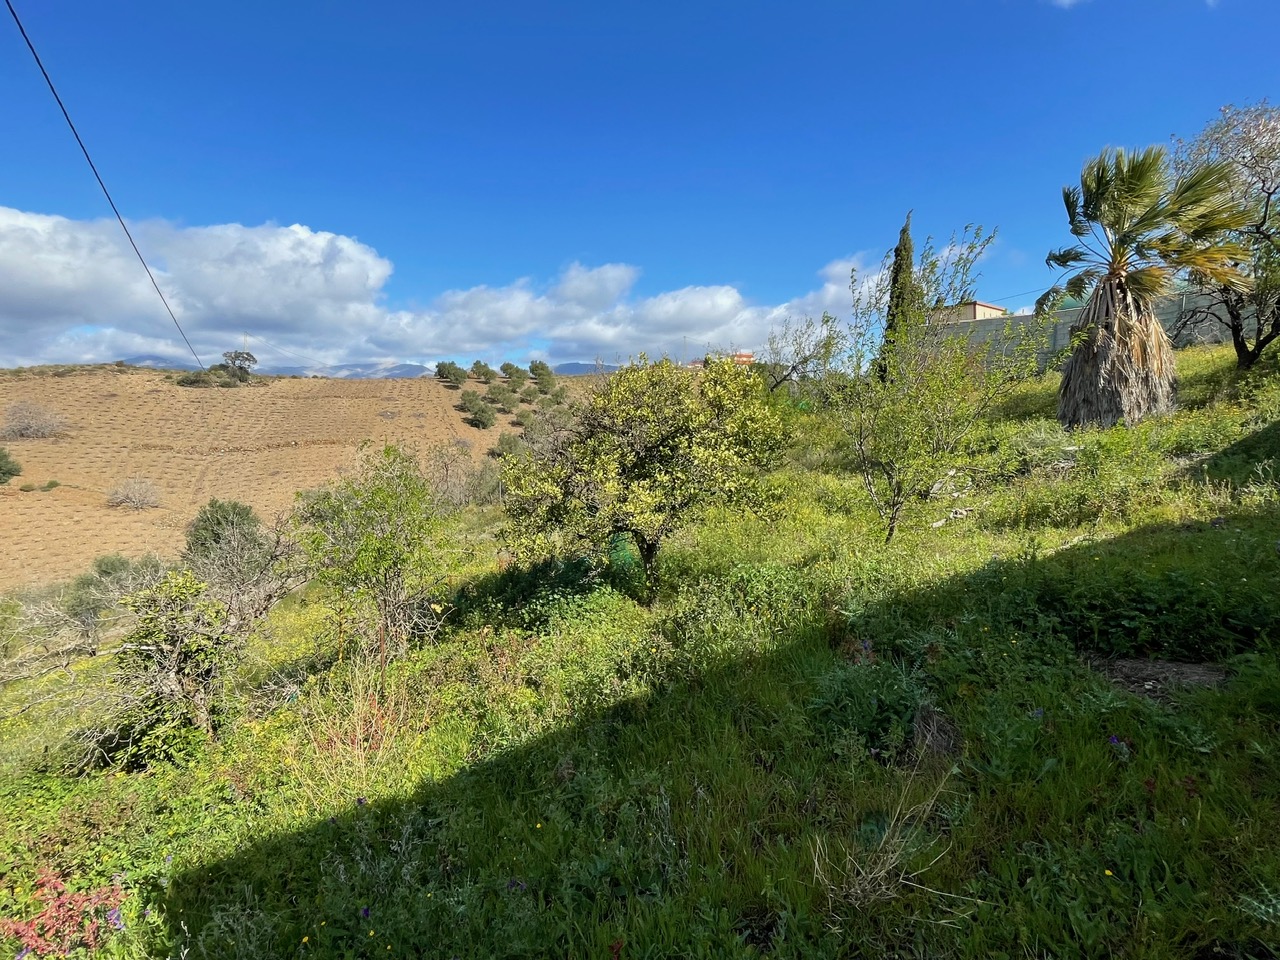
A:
134,493
509,444
50,485
27,487
170,669
374,540
196,378
9,467
217,525
30,421
529,395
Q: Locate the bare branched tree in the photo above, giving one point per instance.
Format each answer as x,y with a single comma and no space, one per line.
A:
1247,141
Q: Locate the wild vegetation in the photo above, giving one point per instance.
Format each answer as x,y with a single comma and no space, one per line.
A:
979,739
854,652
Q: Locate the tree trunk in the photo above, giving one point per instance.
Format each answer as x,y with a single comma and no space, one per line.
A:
1123,368
648,555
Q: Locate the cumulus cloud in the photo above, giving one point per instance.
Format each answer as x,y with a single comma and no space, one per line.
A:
72,291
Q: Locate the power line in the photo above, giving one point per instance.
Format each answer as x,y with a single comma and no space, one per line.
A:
296,356
85,150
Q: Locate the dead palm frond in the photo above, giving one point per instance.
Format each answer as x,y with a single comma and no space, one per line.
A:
1137,227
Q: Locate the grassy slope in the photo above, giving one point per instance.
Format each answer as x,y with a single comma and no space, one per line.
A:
811,745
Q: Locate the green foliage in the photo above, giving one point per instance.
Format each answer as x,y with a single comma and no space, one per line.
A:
516,375
375,540
810,744
910,403
508,445
652,447
9,467
169,671
482,371
451,373
195,378
217,524
543,376
529,395
240,364
502,397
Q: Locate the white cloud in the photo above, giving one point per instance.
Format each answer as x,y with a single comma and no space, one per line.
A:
72,291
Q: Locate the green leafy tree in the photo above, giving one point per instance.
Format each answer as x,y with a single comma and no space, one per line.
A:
543,376
516,375
451,373
1247,141
482,371
240,364
651,448
907,405
9,467
1137,224
376,540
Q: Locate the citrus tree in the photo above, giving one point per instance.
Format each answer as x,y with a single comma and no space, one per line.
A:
651,448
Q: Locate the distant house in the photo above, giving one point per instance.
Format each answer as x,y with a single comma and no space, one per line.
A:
743,358
966,312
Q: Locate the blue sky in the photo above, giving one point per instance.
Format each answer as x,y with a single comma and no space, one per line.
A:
568,179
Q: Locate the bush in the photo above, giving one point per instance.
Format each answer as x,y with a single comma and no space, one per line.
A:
27,487
134,493
30,421
217,523
196,378
508,445
376,540
529,395
50,485
9,467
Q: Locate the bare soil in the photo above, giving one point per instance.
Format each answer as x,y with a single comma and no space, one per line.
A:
258,444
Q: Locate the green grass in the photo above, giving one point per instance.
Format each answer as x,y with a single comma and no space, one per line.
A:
809,745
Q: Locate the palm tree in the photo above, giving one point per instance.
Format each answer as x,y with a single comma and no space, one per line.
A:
1137,226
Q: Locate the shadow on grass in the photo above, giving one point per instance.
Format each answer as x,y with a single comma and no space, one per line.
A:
1253,458
687,822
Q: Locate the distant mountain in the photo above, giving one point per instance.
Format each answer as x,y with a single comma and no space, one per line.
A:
158,363
351,371
344,371
576,367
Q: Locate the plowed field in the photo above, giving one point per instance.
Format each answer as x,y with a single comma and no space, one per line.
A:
257,444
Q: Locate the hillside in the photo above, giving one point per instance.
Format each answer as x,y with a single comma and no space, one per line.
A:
258,445
1043,721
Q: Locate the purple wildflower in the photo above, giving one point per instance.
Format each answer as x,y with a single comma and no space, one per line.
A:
364,912
114,918
1113,739
361,801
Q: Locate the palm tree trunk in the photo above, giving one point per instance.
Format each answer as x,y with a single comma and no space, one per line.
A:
1122,369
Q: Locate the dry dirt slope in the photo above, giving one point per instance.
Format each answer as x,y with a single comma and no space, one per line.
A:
258,444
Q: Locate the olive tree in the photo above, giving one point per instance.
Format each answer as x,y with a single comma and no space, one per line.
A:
652,447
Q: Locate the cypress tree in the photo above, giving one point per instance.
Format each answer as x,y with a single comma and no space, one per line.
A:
902,291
